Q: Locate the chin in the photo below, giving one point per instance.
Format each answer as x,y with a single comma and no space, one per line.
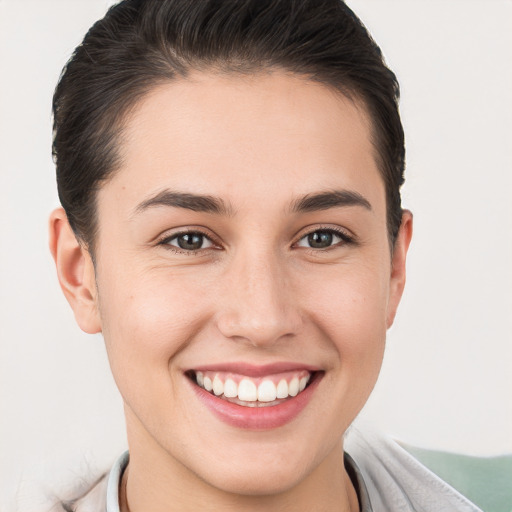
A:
255,480
263,468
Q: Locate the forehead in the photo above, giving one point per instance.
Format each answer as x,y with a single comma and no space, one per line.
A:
269,136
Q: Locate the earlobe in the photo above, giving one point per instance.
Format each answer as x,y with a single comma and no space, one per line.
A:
75,271
398,270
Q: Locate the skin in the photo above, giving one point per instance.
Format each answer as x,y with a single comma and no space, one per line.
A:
257,293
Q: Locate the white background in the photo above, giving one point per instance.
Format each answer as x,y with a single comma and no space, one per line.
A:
447,377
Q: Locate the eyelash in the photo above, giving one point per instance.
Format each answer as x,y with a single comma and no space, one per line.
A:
345,237
165,242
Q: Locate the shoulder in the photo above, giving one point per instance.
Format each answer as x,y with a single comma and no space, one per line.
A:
91,500
396,480
102,496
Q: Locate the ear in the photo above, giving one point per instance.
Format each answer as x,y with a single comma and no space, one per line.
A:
75,271
397,281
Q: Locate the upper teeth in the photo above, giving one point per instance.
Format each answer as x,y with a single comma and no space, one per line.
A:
266,389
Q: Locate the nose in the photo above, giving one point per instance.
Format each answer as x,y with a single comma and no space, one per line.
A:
258,304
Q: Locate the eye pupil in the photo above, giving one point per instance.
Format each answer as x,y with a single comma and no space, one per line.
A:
190,241
320,239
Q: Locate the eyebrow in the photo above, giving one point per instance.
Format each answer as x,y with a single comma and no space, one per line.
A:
194,202
330,199
210,204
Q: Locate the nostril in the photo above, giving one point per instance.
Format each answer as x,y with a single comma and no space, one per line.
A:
258,332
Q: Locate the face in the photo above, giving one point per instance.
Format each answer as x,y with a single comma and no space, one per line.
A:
243,244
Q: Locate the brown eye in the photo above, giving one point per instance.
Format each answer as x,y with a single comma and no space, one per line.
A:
191,241
323,239
320,239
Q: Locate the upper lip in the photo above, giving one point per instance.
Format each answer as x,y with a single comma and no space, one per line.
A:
252,370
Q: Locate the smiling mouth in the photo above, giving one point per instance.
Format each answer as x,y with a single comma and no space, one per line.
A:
267,391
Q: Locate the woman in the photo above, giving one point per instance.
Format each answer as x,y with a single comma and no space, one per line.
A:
229,174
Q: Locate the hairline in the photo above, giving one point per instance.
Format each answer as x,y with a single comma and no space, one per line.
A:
132,102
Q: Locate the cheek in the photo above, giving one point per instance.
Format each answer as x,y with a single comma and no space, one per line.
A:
351,309
149,308
147,319
352,299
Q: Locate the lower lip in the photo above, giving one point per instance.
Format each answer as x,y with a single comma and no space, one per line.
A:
257,418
